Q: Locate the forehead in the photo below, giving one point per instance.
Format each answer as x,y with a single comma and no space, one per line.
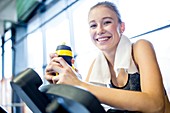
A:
100,12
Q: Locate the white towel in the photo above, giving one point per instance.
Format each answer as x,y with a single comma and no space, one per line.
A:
123,59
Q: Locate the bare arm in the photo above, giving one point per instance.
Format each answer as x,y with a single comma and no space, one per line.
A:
151,78
151,99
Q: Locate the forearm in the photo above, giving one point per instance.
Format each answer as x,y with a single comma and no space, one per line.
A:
127,100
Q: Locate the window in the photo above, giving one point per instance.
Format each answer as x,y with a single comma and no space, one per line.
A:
1,59
35,51
8,35
141,16
8,56
6,88
56,35
46,38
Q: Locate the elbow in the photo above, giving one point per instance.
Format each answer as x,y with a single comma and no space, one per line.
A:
154,105
158,107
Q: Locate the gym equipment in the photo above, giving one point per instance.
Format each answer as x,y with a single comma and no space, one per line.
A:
53,98
2,110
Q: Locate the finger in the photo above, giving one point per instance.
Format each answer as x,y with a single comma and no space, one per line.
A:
48,76
50,70
55,79
62,62
52,55
56,59
59,62
53,63
51,73
61,78
53,68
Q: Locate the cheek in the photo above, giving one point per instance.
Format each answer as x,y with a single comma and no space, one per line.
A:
113,30
92,33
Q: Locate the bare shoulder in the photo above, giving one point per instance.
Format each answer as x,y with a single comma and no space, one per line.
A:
142,46
143,50
142,43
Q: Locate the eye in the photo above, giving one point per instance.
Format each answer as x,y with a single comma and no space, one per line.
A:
107,22
92,26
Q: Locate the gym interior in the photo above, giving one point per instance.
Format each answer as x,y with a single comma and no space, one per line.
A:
31,29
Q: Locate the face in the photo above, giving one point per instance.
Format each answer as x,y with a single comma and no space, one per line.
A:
104,28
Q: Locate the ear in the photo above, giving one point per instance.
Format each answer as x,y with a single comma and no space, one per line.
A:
122,27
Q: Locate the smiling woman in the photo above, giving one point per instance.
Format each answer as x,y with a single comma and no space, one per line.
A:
105,27
122,69
68,20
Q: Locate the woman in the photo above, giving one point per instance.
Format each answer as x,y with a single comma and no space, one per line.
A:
124,76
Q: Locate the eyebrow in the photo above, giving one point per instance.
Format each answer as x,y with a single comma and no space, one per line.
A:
107,18
102,19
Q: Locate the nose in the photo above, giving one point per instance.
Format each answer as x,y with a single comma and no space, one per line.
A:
100,30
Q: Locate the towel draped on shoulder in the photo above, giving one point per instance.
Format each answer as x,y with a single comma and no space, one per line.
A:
123,60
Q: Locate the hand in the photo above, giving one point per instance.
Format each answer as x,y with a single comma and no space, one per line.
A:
50,73
66,74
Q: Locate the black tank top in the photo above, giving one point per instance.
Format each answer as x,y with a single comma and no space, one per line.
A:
133,83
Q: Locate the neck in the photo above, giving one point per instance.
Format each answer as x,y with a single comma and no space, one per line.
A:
110,56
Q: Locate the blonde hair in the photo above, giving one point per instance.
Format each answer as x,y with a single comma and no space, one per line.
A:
109,5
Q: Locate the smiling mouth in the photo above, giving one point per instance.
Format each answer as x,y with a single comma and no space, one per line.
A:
103,39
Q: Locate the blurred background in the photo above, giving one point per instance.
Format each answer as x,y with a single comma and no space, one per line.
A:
31,29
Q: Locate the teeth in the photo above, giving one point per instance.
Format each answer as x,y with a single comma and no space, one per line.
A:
103,39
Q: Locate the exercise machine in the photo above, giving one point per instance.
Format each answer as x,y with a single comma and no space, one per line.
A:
53,98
